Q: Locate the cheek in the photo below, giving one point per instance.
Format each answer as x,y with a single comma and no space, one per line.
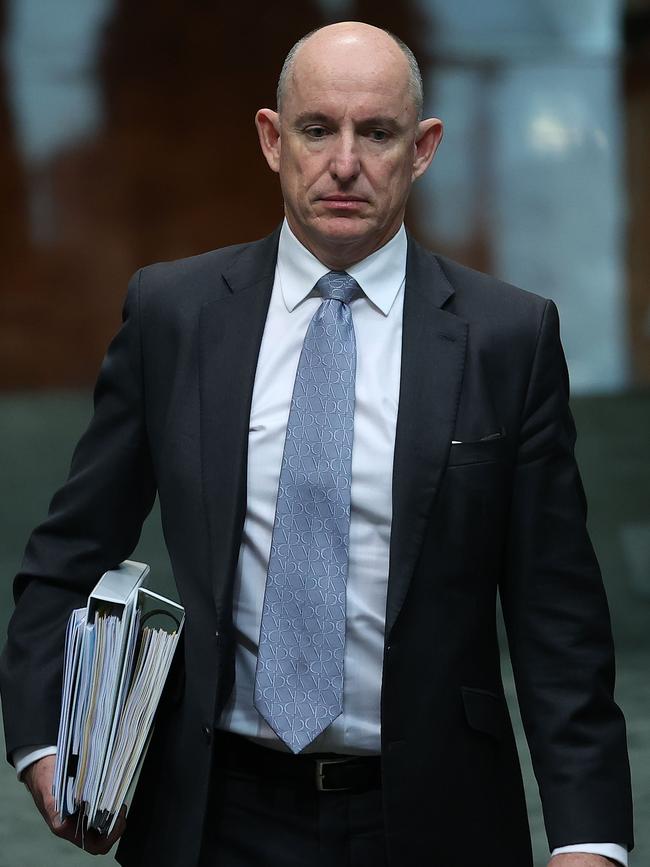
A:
391,183
401,179
390,171
299,171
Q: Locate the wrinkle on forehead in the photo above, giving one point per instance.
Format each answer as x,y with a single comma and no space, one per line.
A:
351,71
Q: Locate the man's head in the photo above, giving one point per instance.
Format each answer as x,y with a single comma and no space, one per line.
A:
347,140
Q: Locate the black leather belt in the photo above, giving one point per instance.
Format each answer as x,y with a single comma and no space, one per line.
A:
324,772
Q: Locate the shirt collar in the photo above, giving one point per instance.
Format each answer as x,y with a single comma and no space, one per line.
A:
380,275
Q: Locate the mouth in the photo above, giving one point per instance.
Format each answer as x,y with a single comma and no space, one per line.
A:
342,202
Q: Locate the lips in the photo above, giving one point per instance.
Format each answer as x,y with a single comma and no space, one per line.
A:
341,202
341,197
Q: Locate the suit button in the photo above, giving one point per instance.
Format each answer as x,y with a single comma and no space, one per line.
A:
207,733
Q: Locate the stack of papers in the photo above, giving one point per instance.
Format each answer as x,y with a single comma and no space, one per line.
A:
118,653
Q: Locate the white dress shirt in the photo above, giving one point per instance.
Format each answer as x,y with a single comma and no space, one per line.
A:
377,317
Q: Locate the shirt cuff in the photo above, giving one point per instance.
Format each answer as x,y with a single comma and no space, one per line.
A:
23,757
607,850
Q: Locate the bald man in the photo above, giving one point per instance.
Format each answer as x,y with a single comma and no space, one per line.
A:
355,443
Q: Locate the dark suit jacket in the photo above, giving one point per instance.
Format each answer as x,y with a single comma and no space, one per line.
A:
503,510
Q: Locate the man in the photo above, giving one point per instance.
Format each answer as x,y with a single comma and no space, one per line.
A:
338,541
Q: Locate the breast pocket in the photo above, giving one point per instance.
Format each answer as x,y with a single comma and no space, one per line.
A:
486,450
474,501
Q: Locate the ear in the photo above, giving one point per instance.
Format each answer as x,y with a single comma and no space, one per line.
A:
267,122
427,139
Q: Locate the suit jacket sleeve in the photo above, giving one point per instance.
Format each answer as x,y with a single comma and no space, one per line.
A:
94,523
558,623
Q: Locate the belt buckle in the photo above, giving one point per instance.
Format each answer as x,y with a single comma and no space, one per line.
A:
320,766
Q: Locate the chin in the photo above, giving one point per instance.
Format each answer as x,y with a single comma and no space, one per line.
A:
342,229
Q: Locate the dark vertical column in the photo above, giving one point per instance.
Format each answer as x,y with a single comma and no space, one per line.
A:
14,239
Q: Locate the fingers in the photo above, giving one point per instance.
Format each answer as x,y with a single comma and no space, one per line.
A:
88,839
38,779
118,830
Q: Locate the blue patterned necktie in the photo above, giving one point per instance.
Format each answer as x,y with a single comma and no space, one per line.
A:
299,676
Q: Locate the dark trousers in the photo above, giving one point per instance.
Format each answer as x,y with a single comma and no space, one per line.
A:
261,821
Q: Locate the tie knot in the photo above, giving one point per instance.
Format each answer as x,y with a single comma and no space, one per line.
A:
337,285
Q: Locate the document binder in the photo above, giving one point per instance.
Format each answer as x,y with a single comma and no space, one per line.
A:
118,653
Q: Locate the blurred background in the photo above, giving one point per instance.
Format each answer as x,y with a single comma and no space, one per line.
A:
126,136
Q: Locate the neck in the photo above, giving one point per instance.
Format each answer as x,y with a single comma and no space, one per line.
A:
339,256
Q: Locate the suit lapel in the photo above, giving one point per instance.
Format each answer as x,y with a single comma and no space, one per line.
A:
433,357
433,354
231,329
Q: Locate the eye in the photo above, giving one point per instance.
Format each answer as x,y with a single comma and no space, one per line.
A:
316,132
378,135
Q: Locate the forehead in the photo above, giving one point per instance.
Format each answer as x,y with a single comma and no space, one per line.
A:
340,80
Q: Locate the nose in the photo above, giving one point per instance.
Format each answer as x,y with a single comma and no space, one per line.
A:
344,164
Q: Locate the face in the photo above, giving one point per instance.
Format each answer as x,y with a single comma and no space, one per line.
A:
347,147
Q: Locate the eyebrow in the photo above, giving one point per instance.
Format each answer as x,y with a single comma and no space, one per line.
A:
311,117
368,122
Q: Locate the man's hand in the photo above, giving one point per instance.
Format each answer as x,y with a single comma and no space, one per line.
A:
581,859
38,778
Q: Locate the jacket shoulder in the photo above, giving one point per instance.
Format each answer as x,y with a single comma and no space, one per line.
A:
475,290
195,280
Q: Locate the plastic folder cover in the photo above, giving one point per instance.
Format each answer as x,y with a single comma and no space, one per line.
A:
118,652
